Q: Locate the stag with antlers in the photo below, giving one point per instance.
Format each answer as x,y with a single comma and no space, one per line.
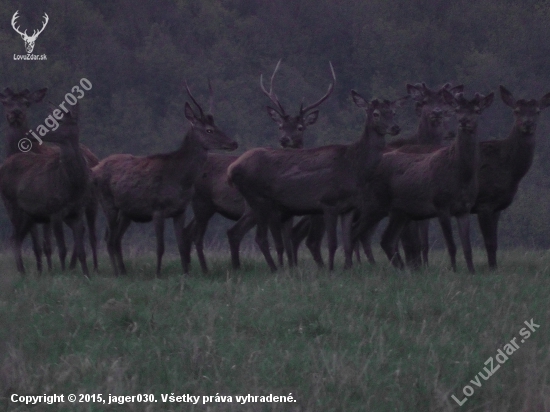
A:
156,187
328,180
214,195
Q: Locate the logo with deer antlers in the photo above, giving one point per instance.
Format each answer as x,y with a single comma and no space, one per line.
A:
29,40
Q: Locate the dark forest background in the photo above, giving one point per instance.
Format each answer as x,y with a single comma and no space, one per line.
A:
137,54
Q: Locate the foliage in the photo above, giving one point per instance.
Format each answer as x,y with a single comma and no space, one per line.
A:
137,54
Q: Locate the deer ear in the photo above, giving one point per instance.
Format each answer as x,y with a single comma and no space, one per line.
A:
275,115
312,117
359,100
414,92
37,96
507,97
487,101
189,114
544,102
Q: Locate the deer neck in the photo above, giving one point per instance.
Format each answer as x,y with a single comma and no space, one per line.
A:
519,153
366,152
189,157
466,148
14,135
74,169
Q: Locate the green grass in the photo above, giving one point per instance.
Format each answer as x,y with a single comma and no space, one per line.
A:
369,339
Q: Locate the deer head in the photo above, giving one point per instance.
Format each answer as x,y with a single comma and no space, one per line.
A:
380,113
468,111
209,135
29,40
16,104
292,127
526,112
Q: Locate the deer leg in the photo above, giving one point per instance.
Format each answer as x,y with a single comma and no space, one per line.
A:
331,221
464,232
78,229
347,222
315,238
91,217
287,242
410,240
20,230
263,243
36,248
299,232
187,239
199,243
366,243
424,231
181,234
446,228
158,221
123,222
60,240
488,223
276,228
47,245
236,233
390,239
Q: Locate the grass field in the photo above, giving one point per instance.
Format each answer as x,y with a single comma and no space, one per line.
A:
369,339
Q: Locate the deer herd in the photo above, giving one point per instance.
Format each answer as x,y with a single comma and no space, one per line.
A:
409,180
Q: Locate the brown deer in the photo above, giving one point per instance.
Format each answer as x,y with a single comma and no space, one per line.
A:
40,188
330,180
433,130
503,163
156,187
214,195
15,105
417,186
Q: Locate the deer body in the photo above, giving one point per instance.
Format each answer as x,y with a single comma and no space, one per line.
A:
444,183
326,180
155,187
214,195
52,187
502,166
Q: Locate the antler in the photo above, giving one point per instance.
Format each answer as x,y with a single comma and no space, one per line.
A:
270,94
13,19
35,32
194,101
325,97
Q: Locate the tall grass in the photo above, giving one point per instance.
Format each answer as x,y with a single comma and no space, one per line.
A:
368,339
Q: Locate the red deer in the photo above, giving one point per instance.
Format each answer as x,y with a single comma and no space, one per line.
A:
156,187
417,186
503,163
214,195
40,188
15,105
432,131
330,180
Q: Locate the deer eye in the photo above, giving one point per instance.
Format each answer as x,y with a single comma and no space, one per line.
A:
376,114
209,131
300,127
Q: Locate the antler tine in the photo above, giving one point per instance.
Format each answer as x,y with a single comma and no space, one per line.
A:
210,98
192,98
35,32
13,22
272,96
327,94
